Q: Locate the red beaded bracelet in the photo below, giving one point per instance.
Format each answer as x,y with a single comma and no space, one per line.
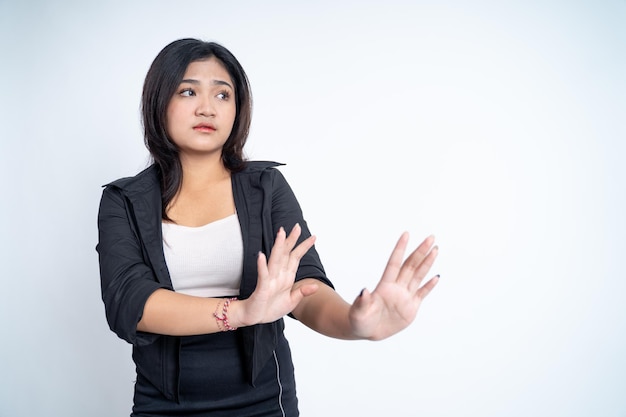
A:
222,322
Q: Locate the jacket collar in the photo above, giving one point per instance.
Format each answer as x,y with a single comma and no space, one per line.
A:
148,179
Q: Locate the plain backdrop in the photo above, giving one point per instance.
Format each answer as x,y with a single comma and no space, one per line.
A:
498,126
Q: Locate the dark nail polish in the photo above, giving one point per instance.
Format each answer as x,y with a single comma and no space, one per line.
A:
361,293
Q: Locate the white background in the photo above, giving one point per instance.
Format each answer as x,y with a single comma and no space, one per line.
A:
497,126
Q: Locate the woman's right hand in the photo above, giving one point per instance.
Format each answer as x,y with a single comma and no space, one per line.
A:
275,294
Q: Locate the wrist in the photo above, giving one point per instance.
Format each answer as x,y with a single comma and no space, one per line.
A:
223,315
236,313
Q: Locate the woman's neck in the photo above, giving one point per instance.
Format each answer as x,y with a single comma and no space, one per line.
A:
205,194
202,172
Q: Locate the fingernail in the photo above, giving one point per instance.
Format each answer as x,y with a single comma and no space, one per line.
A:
438,276
361,293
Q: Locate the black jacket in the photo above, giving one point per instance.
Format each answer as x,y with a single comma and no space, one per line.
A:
132,264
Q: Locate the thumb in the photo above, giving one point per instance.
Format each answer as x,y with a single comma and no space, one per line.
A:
297,294
363,300
308,289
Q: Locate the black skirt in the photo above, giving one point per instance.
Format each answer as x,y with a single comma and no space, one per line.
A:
213,383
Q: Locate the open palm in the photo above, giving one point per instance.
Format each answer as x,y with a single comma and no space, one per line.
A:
394,303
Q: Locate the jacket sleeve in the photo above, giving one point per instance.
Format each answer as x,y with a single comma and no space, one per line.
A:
126,278
286,212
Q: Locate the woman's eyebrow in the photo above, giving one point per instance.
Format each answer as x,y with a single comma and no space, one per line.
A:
214,82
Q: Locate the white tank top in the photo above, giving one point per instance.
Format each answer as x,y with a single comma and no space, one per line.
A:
205,261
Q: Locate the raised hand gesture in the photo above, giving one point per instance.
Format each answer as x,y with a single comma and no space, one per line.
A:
275,294
393,305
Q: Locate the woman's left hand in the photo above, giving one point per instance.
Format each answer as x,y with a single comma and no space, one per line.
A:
393,305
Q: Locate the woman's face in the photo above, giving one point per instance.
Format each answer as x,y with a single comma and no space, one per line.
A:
201,113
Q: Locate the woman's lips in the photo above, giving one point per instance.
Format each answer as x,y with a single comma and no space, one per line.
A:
204,128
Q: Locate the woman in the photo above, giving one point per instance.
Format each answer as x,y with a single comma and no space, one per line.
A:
203,253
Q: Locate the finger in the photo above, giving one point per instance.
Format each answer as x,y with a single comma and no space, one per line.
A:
362,302
280,251
292,239
395,260
422,270
308,289
427,288
283,245
412,264
280,241
299,292
300,250
262,269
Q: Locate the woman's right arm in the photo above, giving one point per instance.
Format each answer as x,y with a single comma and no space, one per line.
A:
171,313
138,307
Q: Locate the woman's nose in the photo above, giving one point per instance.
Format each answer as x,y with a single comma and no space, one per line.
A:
205,107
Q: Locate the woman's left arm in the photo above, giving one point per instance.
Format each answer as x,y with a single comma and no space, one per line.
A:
379,314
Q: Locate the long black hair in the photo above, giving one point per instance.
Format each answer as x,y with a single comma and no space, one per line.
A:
163,78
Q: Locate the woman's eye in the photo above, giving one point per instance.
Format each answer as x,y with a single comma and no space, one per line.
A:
187,92
224,95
